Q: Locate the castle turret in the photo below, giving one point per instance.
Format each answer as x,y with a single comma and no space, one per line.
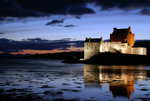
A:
122,35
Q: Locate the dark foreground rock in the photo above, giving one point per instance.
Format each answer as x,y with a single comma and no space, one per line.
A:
113,59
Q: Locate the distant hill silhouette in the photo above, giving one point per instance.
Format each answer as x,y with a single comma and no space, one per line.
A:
62,55
8,55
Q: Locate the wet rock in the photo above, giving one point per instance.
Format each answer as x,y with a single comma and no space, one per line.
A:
76,90
147,94
47,92
15,84
46,86
19,80
142,84
39,79
143,98
77,82
18,90
61,99
59,92
65,84
26,80
1,90
144,89
66,89
78,87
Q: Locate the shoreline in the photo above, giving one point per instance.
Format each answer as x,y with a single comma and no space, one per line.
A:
113,59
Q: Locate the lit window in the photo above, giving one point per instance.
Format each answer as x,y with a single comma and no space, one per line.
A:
95,43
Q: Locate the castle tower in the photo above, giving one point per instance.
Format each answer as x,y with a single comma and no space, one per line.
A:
122,35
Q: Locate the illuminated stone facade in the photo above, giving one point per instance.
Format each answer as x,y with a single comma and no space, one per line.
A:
121,41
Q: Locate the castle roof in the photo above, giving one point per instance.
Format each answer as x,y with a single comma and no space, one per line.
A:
93,40
125,30
121,30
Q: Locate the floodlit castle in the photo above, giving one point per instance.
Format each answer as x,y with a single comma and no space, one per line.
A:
121,41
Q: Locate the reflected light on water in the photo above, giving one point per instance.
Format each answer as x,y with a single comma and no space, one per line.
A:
120,78
53,80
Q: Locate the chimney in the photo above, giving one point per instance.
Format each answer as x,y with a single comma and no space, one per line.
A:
89,39
86,38
114,28
129,29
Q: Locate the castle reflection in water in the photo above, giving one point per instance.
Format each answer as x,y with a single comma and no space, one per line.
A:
120,78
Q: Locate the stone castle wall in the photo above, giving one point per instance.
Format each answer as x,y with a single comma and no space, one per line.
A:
116,47
91,49
139,51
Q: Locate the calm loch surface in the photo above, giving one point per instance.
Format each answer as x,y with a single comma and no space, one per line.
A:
41,80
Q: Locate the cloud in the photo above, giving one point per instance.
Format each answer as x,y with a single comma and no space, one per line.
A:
12,8
38,8
80,10
78,17
69,25
145,11
8,45
53,22
1,33
2,18
122,4
11,19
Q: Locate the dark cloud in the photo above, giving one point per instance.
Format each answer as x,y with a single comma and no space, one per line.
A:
145,11
80,10
122,4
37,8
7,45
12,8
11,19
69,25
53,22
2,18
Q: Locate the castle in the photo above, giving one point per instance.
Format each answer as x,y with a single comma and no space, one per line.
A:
121,41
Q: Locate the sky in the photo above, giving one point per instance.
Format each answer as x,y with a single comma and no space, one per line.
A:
49,26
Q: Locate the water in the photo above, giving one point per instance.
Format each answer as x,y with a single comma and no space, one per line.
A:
37,79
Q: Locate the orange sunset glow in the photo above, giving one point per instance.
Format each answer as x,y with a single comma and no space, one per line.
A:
30,51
